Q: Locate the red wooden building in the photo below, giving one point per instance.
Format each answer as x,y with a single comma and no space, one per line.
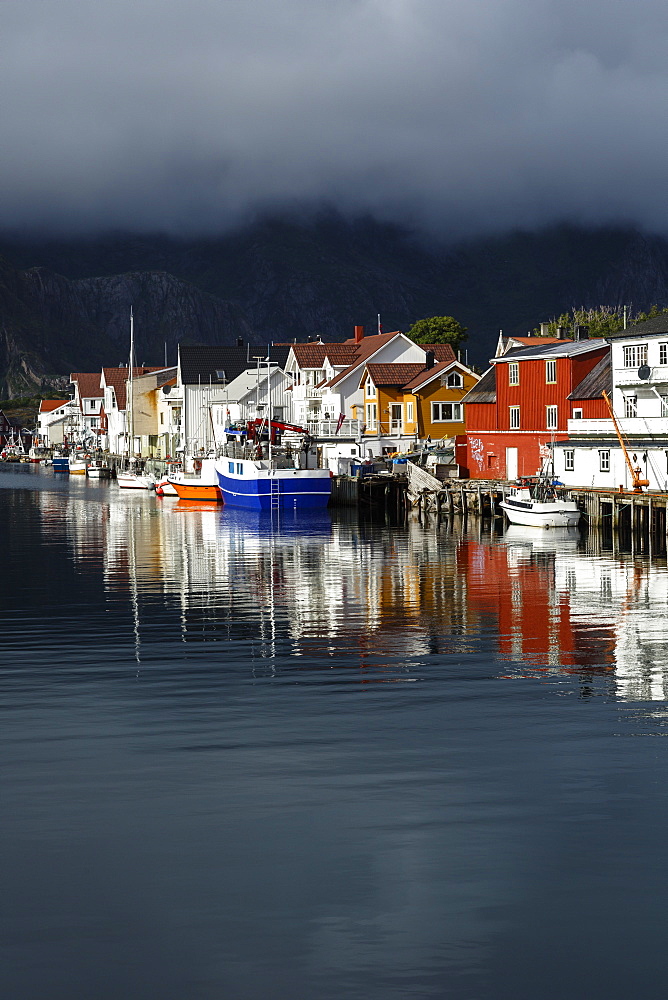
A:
522,405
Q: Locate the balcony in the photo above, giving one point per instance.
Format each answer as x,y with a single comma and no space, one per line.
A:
631,426
328,428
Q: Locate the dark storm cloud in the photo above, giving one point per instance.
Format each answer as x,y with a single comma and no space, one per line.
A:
467,116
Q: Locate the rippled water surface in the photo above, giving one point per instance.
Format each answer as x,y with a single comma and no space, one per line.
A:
324,758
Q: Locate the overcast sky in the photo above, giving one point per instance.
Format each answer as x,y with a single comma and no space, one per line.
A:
460,116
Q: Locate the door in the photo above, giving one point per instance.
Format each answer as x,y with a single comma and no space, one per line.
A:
395,418
511,463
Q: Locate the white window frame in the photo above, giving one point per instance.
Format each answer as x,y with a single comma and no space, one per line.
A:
454,380
410,412
370,389
514,418
371,416
513,373
663,353
551,371
664,406
635,355
569,459
439,412
630,407
604,460
552,417
577,413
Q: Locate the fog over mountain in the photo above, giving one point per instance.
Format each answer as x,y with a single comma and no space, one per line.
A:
460,119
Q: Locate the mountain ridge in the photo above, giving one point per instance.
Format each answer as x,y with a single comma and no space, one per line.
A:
65,301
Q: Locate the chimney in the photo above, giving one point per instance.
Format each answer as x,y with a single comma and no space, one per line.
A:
359,334
581,333
240,341
545,329
430,358
561,332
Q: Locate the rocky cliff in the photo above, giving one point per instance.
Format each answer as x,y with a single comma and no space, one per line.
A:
64,304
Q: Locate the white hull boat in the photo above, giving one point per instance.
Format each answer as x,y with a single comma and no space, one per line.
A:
540,507
135,481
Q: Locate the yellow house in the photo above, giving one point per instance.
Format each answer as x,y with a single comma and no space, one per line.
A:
414,401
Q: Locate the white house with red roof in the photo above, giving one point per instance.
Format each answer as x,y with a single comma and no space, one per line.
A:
88,399
55,419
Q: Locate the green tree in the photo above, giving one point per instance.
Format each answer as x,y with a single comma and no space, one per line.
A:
438,330
601,321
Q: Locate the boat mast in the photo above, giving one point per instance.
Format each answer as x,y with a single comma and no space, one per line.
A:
269,403
129,401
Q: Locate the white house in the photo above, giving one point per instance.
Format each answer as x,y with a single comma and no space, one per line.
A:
638,386
89,399
55,421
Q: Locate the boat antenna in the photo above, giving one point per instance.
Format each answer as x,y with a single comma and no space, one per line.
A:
129,402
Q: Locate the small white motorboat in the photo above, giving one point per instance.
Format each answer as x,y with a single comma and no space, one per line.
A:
97,470
540,506
128,480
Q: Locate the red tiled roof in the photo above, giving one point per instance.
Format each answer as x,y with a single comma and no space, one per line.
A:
47,405
427,374
442,352
118,377
363,350
397,373
537,341
310,355
88,383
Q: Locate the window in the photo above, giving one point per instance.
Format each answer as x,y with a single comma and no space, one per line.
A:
630,406
441,412
552,417
162,418
514,418
569,459
92,404
240,469
577,414
230,467
550,371
664,406
635,356
513,373
663,354
94,422
604,460
454,380
410,413
370,389
371,416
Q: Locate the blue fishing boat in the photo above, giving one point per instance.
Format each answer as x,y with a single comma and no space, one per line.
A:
60,463
260,485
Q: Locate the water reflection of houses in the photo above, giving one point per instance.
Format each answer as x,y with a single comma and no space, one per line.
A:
357,595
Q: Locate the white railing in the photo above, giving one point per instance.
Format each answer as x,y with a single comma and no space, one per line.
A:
328,428
628,425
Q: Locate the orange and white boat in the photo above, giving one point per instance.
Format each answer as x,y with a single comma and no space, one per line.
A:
193,489
201,487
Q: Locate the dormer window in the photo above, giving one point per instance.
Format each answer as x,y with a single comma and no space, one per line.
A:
454,380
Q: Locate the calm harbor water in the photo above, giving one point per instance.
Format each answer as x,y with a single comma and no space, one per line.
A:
324,759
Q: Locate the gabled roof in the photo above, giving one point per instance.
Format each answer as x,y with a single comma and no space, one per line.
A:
117,377
562,349
438,369
47,405
200,363
88,384
593,384
366,348
485,390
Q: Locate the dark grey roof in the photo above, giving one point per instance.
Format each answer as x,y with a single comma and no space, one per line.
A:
593,384
200,363
483,391
657,325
